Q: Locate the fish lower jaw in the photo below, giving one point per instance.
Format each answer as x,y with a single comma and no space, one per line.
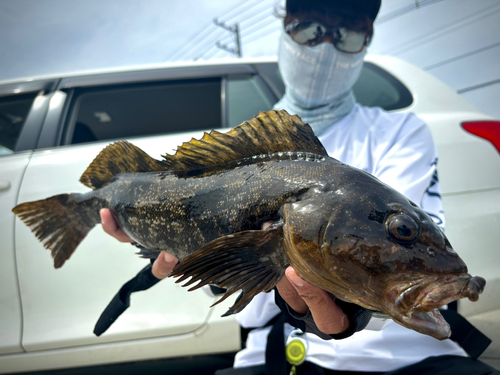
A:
429,322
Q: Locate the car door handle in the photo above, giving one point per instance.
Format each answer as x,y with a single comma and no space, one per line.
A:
4,185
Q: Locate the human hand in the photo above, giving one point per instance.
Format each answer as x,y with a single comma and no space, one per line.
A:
109,225
303,297
162,265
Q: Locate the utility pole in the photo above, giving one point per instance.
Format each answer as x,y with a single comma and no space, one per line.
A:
234,30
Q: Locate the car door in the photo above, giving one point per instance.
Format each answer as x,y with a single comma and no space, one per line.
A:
21,115
61,307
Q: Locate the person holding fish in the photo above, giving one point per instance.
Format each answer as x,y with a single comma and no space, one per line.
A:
336,200
320,57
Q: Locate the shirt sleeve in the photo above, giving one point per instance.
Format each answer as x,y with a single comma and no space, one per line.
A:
406,159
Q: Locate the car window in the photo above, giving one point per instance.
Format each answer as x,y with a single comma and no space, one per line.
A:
123,111
13,112
377,88
245,99
271,74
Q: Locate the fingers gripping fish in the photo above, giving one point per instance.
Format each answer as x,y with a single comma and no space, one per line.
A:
340,228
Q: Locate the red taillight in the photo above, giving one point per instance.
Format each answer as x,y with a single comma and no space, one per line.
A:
489,130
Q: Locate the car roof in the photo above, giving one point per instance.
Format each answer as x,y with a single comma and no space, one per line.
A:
145,67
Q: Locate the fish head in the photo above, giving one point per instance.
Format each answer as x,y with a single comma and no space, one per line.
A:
368,244
424,272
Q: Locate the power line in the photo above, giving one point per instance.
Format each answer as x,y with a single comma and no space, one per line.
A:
248,2
192,51
244,17
479,86
256,27
256,12
401,11
203,51
235,8
242,29
264,33
193,42
204,42
211,53
196,43
447,28
459,57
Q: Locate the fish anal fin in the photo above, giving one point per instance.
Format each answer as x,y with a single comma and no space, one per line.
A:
268,132
251,261
118,157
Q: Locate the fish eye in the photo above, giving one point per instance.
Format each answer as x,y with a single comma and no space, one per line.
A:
402,228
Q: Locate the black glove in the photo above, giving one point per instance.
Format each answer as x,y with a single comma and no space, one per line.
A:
358,318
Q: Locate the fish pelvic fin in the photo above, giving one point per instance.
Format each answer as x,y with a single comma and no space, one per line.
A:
146,253
253,261
268,132
56,222
116,158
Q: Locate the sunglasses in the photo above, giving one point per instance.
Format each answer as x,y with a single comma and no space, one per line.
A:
313,33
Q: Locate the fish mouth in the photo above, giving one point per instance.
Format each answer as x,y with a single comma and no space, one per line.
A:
440,291
416,306
429,322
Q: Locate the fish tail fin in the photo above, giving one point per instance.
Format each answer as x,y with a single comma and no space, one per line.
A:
58,222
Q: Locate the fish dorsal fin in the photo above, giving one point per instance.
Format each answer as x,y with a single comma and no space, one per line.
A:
119,157
268,132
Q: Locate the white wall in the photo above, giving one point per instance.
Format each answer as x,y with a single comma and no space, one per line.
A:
458,41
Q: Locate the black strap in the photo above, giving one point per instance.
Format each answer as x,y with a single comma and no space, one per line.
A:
121,301
275,348
472,340
446,365
245,331
250,370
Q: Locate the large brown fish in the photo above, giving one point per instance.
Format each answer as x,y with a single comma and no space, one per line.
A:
339,227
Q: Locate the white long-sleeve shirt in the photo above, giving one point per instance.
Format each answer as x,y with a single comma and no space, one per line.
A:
398,149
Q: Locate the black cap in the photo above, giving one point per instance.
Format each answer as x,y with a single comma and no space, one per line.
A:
342,7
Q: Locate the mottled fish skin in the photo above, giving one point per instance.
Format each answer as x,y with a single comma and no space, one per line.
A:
161,211
340,228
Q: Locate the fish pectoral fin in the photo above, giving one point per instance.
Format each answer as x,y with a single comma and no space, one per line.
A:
253,261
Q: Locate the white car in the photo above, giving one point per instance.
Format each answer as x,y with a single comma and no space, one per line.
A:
51,128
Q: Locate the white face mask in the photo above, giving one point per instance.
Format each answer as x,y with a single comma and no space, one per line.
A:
319,75
318,81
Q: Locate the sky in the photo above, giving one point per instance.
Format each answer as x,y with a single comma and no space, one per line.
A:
43,37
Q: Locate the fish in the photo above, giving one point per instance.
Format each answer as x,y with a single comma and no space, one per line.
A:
339,227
